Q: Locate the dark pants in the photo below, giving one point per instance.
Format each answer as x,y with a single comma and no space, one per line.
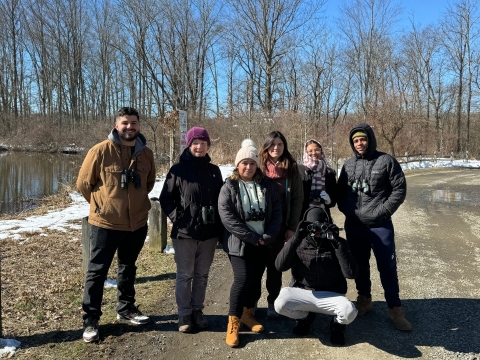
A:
273,282
247,278
361,240
104,243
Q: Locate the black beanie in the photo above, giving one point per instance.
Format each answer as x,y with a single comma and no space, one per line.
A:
316,213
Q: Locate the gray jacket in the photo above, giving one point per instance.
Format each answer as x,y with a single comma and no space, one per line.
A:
387,184
237,233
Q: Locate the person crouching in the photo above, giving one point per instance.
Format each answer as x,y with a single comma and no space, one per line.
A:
320,261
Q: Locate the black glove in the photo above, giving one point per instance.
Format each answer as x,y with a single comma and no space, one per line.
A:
302,230
333,234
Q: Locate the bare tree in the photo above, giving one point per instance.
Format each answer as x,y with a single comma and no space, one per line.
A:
459,35
367,27
274,26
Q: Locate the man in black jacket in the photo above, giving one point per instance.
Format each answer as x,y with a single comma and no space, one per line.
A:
320,261
371,187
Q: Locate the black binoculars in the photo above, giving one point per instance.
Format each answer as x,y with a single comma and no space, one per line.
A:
363,187
326,230
255,215
208,217
130,176
208,214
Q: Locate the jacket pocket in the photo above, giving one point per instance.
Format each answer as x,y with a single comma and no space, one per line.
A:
113,175
143,169
98,206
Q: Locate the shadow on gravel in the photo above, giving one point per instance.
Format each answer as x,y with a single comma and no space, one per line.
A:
145,279
448,323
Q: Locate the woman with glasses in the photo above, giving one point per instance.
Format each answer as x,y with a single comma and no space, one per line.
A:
319,180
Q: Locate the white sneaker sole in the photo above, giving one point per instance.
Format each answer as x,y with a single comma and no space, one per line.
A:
89,339
133,321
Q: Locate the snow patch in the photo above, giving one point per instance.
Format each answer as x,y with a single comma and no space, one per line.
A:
169,250
109,284
8,347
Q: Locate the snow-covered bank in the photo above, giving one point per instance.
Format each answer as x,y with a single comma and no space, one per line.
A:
62,219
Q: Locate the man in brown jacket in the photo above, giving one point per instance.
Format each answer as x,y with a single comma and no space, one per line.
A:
115,178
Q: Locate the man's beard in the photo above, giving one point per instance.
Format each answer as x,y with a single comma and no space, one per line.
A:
128,137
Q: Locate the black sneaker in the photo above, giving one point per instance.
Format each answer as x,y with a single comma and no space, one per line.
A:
199,319
90,330
337,333
302,327
185,323
134,316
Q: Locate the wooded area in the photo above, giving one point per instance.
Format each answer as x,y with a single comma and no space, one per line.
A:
241,68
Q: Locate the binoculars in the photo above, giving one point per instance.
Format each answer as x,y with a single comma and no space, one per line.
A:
326,230
130,176
255,215
363,187
208,217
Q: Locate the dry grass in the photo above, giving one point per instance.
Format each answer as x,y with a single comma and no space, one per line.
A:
42,288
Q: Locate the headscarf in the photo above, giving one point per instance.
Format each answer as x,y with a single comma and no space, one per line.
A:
318,167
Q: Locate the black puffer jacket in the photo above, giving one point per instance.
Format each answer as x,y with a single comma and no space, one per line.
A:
317,266
237,233
388,187
330,187
191,184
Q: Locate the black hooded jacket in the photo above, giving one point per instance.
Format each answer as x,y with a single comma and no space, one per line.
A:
387,184
317,265
190,185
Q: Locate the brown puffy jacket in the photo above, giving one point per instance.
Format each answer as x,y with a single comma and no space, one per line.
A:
112,207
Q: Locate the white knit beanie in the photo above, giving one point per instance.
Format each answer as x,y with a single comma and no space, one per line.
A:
248,151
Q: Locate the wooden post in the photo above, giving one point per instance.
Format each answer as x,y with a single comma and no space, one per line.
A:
1,333
86,245
157,227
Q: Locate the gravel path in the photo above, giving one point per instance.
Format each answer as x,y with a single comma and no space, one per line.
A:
438,246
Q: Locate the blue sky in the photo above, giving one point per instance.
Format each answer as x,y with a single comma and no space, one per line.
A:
424,11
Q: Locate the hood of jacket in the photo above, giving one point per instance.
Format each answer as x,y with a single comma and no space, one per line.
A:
372,141
140,142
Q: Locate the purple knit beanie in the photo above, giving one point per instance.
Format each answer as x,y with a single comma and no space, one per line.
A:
197,133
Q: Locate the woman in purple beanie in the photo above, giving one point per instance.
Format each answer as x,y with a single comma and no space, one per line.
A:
189,198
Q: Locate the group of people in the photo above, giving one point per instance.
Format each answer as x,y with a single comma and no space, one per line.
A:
271,214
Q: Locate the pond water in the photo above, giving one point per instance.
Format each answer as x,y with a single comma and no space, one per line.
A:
25,177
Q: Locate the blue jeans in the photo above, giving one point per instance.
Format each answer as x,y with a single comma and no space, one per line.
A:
361,240
104,244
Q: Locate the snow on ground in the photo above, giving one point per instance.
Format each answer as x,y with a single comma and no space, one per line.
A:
62,219
8,347
440,163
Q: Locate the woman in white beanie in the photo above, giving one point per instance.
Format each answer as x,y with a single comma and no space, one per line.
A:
251,213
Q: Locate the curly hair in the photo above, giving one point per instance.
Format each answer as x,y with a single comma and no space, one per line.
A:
285,161
127,110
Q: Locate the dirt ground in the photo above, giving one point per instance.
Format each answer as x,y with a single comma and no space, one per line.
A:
438,247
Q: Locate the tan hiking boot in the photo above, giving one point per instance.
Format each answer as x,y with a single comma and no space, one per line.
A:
233,327
397,317
363,305
250,322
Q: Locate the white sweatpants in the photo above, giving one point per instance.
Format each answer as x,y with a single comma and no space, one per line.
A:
296,303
